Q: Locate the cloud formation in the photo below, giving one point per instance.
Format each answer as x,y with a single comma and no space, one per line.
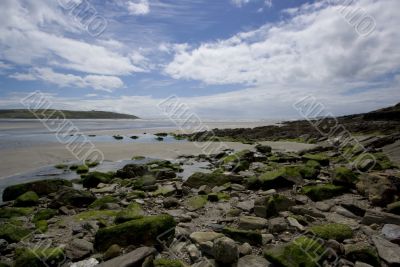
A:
138,7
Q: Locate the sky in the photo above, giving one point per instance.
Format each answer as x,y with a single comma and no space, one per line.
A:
224,59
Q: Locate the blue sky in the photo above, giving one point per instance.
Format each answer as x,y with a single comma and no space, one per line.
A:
236,59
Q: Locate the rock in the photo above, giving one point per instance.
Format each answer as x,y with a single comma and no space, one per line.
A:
387,251
391,232
72,197
132,171
3,245
252,237
195,203
294,223
264,149
79,249
112,252
134,258
252,223
246,205
167,263
363,252
302,251
394,208
201,237
210,179
106,189
26,257
238,187
334,231
207,248
344,176
324,206
225,250
93,179
277,225
269,206
166,191
377,188
204,190
125,234
194,252
170,202
267,238
320,158
345,212
245,249
86,263
253,261
27,199
42,188
307,210
340,219
205,263
372,216
284,177
361,264
13,233
322,192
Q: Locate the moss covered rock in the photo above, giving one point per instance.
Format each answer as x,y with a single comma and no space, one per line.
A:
167,263
362,252
132,171
379,189
93,179
144,231
334,231
27,199
303,251
143,181
45,214
11,212
73,197
322,192
42,187
49,257
13,233
281,178
344,176
320,158
100,202
82,169
211,179
132,212
252,237
195,203
41,226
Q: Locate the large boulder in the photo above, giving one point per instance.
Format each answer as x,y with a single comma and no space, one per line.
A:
144,231
73,197
362,251
13,233
378,188
42,187
388,251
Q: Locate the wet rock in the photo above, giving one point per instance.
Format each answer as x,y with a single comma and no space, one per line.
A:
264,149
79,249
253,261
170,202
322,192
344,176
27,199
345,212
252,223
387,251
294,223
72,197
195,203
42,188
394,208
39,257
93,179
134,258
361,264
200,237
225,250
125,234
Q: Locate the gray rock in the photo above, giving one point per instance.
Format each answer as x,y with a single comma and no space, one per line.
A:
245,249
194,252
345,212
3,244
200,237
170,202
205,263
388,251
134,258
253,261
294,223
207,248
361,264
79,249
372,216
252,223
276,225
225,250
246,205
323,206
238,187
267,238
391,232
86,263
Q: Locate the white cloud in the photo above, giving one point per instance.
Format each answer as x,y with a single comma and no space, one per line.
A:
315,46
97,82
138,7
240,3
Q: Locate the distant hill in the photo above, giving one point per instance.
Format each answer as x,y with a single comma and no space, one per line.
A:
69,114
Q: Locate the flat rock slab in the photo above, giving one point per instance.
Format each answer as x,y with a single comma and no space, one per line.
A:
253,261
132,259
378,217
391,232
200,237
387,250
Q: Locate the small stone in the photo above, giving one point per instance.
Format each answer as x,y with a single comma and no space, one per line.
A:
345,212
237,187
134,258
170,202
294,223
225,250
207,248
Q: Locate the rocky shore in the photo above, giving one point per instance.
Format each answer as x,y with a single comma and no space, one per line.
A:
250,208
